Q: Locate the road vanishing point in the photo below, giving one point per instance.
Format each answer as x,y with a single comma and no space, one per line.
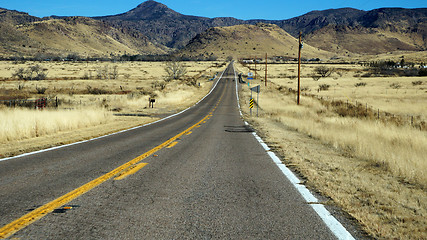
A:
200,174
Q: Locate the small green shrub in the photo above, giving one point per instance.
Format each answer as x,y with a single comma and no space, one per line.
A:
395,85
324,87
360,84
417,83
96,91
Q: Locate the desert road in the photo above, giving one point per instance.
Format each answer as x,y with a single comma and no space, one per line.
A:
198,175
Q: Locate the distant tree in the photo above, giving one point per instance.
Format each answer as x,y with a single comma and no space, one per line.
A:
19,74
324,71
41,90
115,72
34,72
175,70
422,72
73,57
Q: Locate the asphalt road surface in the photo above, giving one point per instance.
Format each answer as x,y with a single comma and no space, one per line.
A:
198,175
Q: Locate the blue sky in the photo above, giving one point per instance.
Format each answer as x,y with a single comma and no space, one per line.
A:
242,9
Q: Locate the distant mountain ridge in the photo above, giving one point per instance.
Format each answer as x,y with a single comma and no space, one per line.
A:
247,40
351,30
161,29
23,35
167,27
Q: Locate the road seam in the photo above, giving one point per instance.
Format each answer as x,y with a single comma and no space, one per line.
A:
331,222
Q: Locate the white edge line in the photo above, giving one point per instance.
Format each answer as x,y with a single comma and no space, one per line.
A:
237,93
333,224
111,134
336,227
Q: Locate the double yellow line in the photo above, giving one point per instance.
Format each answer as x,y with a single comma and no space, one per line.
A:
119,173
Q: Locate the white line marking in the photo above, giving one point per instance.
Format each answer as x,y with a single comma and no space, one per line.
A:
237,93
340,232
265,146
331,222
211,89
111,134
306,194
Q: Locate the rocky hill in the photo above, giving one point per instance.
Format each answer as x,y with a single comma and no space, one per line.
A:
12,40
24,35
242,41
165,26
153,28
371,32
352,30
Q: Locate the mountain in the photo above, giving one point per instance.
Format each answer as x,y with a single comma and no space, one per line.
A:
248,40
10,38
351,30
343,39
342,31
165,26
24,35
153,28
315,20
12,17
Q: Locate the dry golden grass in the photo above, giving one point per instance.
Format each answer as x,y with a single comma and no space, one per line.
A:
378,93
18,124
116,123
128,94
374,171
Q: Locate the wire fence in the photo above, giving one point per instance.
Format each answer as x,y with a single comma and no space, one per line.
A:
360,109
55,102
39,103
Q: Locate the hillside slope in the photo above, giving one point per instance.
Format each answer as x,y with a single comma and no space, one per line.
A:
12,40
153,28
248,41
23,35
365,32
163,25
344,39
352,31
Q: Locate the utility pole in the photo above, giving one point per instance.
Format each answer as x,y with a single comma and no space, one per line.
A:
299,68
255,67
266,69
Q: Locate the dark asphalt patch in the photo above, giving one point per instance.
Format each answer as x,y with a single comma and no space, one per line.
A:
238,129
62,209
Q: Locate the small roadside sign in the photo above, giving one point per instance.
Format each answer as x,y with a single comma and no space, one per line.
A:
251,103
256,89
250,74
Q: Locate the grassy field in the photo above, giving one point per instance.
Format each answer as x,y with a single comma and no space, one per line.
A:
374,169
94,98
396,95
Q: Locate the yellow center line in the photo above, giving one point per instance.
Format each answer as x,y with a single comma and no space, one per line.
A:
189,133
172,144
130,171
22,222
